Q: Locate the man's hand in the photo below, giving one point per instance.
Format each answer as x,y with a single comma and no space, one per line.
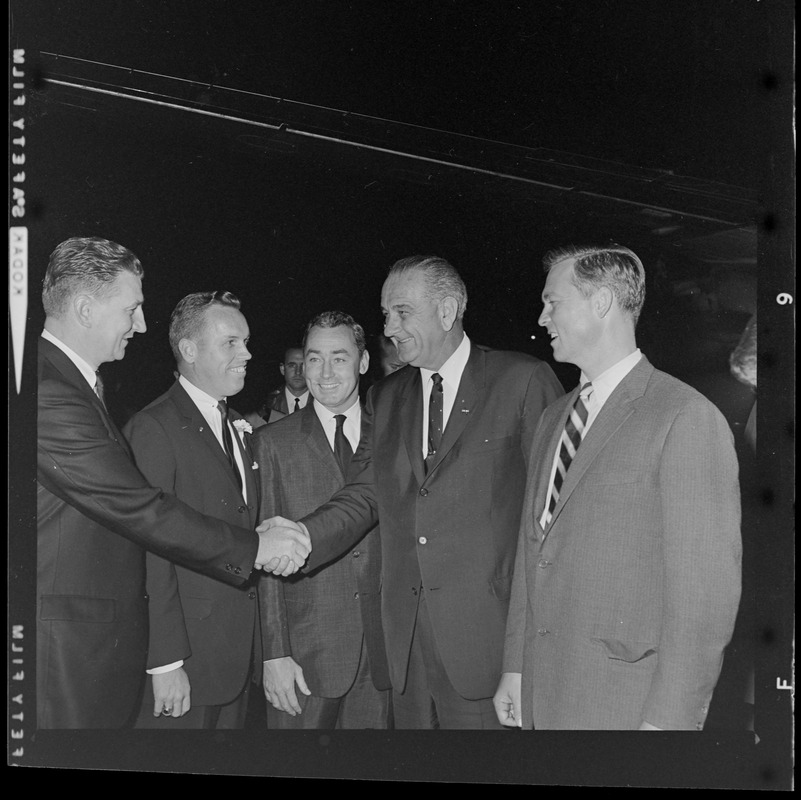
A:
280,677
507,700
171,692
284,546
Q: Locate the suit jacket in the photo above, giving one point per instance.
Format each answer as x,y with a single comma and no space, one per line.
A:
454,529
277,400
96,513
193,617
622,607
320,619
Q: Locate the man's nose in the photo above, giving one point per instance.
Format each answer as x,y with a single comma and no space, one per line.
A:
139,325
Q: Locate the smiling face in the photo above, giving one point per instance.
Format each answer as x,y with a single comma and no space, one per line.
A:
216,360
292,370
332,367
418,326
116,317
570,318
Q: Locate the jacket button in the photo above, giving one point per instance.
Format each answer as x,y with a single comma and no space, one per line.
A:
237,570
422,540
542,631
543,562
356,596
242,509
252,595
414,590
423,492
356,553
229,567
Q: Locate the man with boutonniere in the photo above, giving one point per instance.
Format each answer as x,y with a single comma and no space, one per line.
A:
191,444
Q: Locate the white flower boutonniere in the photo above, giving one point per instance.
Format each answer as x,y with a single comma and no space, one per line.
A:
243,426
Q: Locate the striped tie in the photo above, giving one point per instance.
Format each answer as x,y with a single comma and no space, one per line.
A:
572,435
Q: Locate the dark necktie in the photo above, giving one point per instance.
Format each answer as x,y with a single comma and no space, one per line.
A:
435,419
297,405
342,449
228,444
572,435
99,391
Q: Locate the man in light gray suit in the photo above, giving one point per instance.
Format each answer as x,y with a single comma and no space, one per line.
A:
627,577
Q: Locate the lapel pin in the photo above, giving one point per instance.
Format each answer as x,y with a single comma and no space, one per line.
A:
200,429
254,465
465,410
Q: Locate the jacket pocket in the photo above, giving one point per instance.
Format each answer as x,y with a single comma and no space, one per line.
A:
627,651
78,608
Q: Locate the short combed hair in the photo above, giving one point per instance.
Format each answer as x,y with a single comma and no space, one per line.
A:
334,319
187,317
613,266
84,265
441,277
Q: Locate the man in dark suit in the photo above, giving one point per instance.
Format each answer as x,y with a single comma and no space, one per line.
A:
627,577
96,512
322,632
442,464
189,443
294,394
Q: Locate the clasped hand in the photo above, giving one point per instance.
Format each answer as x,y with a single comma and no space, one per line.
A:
284,546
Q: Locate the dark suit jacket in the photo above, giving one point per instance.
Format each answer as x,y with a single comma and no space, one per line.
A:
95,514
622,607
277,400
319,619
455,528
193,617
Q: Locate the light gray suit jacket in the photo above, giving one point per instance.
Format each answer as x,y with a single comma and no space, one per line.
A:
621,608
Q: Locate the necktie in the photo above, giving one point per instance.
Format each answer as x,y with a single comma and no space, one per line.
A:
99,391
297,405
572,435
435,419
228,444
342,449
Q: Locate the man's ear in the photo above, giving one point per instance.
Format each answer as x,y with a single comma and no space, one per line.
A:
281,367
602,301
188,350
364,362
82,305
448,311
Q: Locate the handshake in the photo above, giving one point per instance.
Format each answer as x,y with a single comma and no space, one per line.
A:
284,546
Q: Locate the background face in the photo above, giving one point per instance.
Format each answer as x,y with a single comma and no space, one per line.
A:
292,370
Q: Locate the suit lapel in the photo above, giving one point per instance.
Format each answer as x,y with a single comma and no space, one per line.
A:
62,362
410,422
619,406
197,422
312,431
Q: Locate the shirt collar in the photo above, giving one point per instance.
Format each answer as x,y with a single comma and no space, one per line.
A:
82,365
607,381
451,371
199,397
325,415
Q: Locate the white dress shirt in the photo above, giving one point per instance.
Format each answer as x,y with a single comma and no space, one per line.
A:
602,388
352,425
451,374
290,400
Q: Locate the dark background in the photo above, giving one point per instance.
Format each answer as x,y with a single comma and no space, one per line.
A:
696,89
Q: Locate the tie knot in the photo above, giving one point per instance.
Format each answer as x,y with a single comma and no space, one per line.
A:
340,420
223,407
437,379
